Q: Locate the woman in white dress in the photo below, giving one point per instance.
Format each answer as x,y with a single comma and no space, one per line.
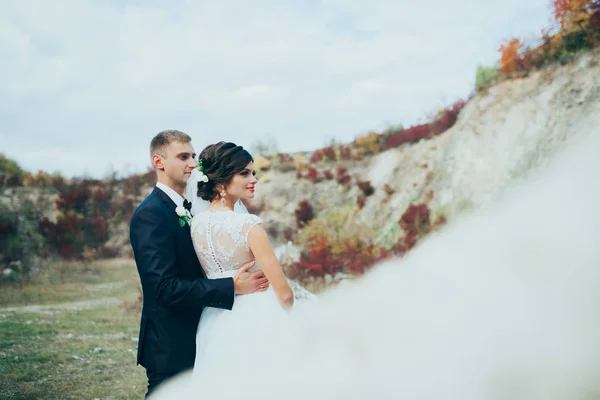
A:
225,240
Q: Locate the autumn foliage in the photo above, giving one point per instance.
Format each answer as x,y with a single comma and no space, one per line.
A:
443,121
334,242
576,26
512,58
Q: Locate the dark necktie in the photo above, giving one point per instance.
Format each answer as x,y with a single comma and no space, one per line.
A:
187,205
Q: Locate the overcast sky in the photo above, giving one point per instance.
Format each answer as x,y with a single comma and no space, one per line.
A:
86,84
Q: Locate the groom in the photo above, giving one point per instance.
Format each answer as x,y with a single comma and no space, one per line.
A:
175,288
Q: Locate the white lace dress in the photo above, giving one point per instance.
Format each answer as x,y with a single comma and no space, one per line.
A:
220,239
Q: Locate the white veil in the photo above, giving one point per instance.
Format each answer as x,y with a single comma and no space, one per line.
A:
198,204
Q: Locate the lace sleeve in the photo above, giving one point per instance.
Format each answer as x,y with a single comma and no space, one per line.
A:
249,221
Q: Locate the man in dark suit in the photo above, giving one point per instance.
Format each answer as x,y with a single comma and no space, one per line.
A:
174,285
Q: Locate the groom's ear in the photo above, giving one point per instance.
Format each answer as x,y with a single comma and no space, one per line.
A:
157,162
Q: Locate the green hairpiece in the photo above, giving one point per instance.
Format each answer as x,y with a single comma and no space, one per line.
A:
202,177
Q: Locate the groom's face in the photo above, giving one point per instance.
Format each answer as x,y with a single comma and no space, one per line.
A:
178,163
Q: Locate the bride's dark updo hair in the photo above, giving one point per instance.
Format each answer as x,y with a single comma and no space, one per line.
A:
221,161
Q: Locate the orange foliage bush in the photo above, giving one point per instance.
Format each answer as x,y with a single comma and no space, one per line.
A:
512,59
572,14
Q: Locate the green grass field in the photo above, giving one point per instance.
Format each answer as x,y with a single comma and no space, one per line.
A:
69,334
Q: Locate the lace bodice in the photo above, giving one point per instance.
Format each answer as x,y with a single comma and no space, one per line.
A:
221,241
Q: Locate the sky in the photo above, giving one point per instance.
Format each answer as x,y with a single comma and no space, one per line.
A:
85,85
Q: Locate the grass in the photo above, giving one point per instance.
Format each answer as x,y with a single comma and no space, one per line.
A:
70,281
86,353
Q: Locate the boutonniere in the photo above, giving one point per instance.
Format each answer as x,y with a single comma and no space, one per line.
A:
184,215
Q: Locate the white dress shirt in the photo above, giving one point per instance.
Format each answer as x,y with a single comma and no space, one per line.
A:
176,197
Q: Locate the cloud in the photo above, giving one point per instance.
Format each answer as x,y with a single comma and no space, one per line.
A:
92,76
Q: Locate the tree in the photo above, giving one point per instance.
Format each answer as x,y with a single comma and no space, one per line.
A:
9,166
572,15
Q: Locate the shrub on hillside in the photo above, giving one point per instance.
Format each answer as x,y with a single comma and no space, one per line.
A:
446,118
367,144
416,223
485,77
285,157
443,121
312,174
10,180
361,200
329,154
85,207
46,180
342,176
262,163
366,188
316,157
578,24
303,213
21,243
335,242
300,162
345,153
10,167
344,180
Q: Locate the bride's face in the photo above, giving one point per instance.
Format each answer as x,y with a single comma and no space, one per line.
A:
242,184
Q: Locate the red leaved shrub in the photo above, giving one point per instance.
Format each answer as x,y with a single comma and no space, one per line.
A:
329,153
304,213
444,121
345,153
312,174
316,157
365,187
344,180
285,157
85,207
10,180
415,223
360,201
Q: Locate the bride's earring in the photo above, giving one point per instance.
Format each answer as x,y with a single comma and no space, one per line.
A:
223,194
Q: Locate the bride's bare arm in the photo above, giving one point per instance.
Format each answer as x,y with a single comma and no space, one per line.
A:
266,258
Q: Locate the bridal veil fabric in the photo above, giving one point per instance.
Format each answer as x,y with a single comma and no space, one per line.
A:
198,204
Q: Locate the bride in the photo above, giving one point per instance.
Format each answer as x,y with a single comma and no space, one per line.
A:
225,237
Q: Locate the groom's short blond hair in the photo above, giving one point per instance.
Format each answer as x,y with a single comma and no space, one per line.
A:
163,139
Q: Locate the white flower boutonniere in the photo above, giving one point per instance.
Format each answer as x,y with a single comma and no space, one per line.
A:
184,215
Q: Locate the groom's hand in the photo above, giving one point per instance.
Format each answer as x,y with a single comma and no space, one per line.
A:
245,282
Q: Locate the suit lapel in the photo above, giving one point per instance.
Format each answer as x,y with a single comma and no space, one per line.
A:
170,204
182,233
164,198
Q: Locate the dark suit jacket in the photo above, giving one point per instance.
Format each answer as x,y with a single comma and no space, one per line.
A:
175,288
